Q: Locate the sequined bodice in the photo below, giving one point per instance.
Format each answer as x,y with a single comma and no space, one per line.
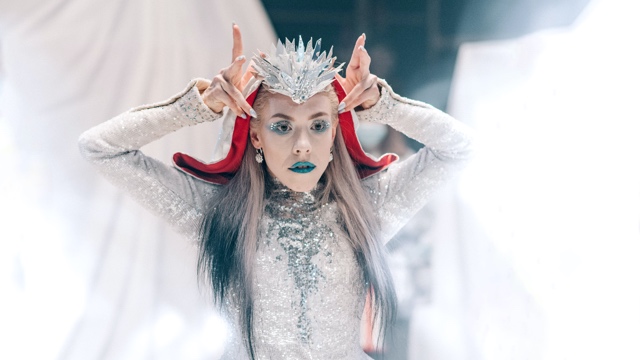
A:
309,293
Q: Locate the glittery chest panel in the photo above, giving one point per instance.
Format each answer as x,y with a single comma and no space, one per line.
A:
309,295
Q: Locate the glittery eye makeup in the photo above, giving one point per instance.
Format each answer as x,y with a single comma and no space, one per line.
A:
320,126
284,126
280,127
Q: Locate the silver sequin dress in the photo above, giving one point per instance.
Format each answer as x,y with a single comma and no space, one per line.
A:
309,293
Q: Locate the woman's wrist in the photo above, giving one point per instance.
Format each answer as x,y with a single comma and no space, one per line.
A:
192,106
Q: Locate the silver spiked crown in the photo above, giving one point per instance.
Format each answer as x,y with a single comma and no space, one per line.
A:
296,72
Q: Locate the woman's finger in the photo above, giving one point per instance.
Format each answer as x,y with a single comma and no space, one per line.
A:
365,62
216,97
233,72
348,103
237,49
246,76
238,98
370,96
365,99
219,99
234,82
354,98
354,62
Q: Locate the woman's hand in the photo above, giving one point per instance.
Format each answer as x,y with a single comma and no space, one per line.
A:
360,84
225,88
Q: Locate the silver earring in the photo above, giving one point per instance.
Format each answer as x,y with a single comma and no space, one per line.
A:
330,154
259,157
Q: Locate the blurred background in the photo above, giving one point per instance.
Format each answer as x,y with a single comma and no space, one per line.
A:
531,254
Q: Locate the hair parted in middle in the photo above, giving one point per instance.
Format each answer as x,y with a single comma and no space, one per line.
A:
229,233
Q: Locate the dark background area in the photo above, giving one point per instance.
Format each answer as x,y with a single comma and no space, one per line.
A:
414,44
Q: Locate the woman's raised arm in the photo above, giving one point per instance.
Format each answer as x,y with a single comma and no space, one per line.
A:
401,190
405,187
114,146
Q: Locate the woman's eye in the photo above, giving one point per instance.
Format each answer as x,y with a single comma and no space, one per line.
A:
320,125
280,127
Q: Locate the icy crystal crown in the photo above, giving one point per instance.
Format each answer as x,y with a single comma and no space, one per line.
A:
298,73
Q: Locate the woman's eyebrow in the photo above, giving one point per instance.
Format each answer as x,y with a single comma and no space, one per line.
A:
281,115
287,117
318,114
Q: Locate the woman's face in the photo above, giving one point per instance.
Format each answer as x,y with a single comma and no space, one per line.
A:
296,139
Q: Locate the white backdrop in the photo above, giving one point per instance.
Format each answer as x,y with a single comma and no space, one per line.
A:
550,209
86,273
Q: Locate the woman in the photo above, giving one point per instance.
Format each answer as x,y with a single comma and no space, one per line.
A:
292,220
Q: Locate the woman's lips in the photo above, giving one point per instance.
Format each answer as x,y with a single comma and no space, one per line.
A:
302,167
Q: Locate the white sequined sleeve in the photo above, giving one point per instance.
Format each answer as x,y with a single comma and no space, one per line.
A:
113,147
405,187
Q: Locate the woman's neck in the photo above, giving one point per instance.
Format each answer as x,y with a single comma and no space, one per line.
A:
283,198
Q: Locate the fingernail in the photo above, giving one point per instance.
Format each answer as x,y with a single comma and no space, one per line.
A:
241,57
253,113
243,115
362,48
341,107
233,23
364,35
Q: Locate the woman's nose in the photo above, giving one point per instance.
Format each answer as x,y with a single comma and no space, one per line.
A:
302,144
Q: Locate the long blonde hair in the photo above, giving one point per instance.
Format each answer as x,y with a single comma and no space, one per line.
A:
229,235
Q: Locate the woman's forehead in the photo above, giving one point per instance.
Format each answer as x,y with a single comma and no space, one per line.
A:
278,103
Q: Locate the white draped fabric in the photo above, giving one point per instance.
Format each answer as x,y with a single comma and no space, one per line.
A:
545,265
85,273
